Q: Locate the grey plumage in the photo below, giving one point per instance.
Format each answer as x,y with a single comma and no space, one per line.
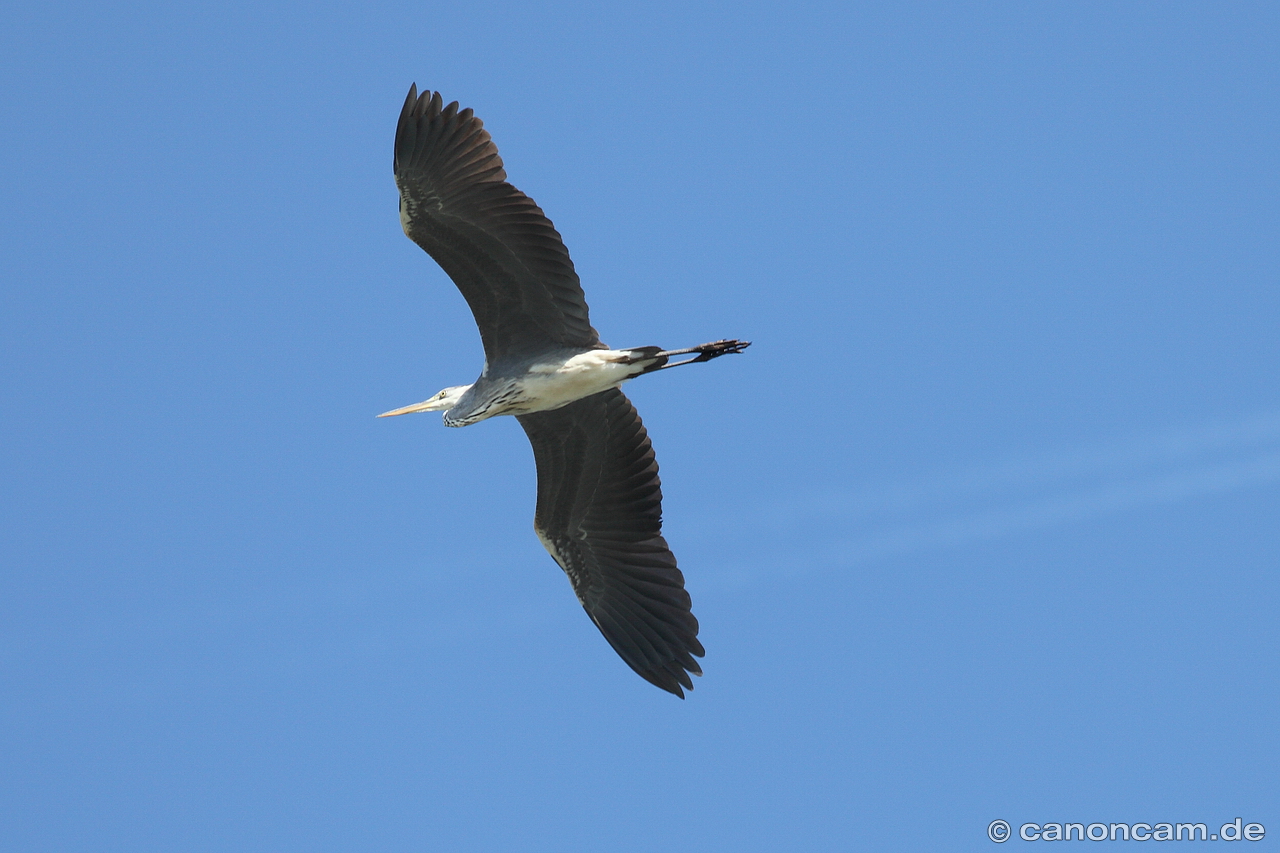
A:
493,240
599,505
600,515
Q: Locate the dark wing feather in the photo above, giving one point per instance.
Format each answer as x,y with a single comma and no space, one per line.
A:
494,242
600,516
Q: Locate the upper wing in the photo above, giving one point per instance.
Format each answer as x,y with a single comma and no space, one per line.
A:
600,516
494,242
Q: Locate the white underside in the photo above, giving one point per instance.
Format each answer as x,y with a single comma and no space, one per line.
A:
545,387
550,386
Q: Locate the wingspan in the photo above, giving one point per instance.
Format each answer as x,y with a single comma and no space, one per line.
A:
600,516
493,240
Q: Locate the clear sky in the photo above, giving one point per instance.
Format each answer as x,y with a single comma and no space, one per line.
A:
984,526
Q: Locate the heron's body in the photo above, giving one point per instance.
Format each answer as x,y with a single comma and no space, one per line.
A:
599,507
549,383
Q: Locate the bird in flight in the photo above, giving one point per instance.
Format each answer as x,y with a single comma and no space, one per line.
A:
599,505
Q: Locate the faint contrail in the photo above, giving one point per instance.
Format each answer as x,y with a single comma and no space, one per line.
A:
1111,461
1062,508
1032,492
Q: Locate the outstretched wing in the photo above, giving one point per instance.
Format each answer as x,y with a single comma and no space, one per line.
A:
493,240
600,516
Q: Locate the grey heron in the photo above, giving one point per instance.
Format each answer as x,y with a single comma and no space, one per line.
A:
599,499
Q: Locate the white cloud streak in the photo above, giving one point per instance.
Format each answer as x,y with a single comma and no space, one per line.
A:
1061,509
1032,492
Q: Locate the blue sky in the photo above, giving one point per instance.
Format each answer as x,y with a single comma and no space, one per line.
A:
983,526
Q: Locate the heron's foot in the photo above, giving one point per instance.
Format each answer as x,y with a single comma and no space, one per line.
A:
705,352
715,349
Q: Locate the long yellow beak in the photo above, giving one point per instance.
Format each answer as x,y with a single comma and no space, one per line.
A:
424,406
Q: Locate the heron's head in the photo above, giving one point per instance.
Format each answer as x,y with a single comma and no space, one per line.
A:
439,402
